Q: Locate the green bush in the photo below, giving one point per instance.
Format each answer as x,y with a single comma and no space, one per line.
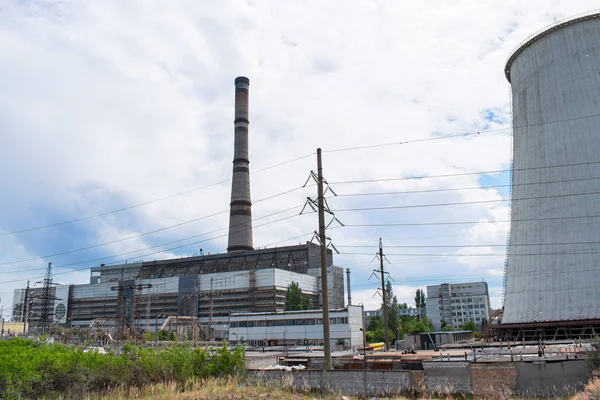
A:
30,369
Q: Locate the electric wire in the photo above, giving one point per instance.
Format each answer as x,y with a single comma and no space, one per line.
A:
147,202
142,234
470,245
143,255
479,254
464,134
172,242
461,174
462,203
462,188
460,222
267,198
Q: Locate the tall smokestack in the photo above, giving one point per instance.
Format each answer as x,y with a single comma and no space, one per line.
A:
348,283
240,215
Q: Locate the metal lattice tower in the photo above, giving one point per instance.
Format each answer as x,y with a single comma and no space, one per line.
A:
45,322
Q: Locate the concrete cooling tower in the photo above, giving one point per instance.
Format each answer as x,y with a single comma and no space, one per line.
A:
552,281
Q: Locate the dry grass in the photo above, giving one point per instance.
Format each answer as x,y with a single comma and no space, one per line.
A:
214,389
591,392
234,389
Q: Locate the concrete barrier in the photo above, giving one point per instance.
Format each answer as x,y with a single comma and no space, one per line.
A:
452,377
347,382
481,379
551,379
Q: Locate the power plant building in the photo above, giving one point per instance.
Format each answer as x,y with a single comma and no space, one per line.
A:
141,296
553,270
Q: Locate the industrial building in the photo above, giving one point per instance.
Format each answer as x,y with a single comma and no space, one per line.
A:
552,273
436,340
454,304
206,289
298,328
402,312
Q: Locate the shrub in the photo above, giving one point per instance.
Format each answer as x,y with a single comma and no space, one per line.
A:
30,369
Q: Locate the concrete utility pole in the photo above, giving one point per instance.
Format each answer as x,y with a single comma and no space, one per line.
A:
385,313
25,309
322,239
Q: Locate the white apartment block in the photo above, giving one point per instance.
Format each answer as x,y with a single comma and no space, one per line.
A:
454,304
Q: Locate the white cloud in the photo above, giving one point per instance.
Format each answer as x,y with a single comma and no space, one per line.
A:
109,104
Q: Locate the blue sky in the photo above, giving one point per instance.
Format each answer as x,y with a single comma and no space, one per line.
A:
108,105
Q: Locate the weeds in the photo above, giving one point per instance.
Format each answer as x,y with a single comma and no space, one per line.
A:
30,369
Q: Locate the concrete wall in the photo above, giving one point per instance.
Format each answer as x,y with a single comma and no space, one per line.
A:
265,360
487,380
551,379
493,380
346,382
447,377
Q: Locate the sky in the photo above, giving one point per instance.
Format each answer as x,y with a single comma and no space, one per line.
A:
116,132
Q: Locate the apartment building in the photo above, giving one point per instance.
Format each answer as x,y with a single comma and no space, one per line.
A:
454,304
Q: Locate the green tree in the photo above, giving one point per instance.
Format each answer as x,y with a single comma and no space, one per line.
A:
470,326
392,310
375,323
295,300
419,301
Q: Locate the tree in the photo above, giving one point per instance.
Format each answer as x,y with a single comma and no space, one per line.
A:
295,300
419,301
392,310
470,326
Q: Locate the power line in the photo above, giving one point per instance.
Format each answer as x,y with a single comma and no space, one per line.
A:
463,173
176,241
472,245
146,233
294,160
465,134
463,188
463,202
462,222
480,254
143,255
146,202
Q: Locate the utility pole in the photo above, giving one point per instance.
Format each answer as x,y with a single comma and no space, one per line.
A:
25,310
321,207
322,239
385,313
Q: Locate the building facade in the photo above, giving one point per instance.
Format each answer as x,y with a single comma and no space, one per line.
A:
402,312
142,295
454,304
298,328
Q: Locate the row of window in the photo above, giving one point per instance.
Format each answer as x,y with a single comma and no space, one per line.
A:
287,322
469,300
461,320
469,313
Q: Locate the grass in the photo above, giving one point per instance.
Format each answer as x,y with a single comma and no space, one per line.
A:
235,389
214,389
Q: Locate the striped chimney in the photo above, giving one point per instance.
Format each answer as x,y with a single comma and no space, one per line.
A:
240,215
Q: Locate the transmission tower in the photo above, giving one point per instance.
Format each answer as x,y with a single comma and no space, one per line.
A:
383,276
46,298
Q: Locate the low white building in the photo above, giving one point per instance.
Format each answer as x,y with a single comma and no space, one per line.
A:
454,304
298,328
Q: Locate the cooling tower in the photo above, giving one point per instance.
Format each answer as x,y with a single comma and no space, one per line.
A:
240,215
553,263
